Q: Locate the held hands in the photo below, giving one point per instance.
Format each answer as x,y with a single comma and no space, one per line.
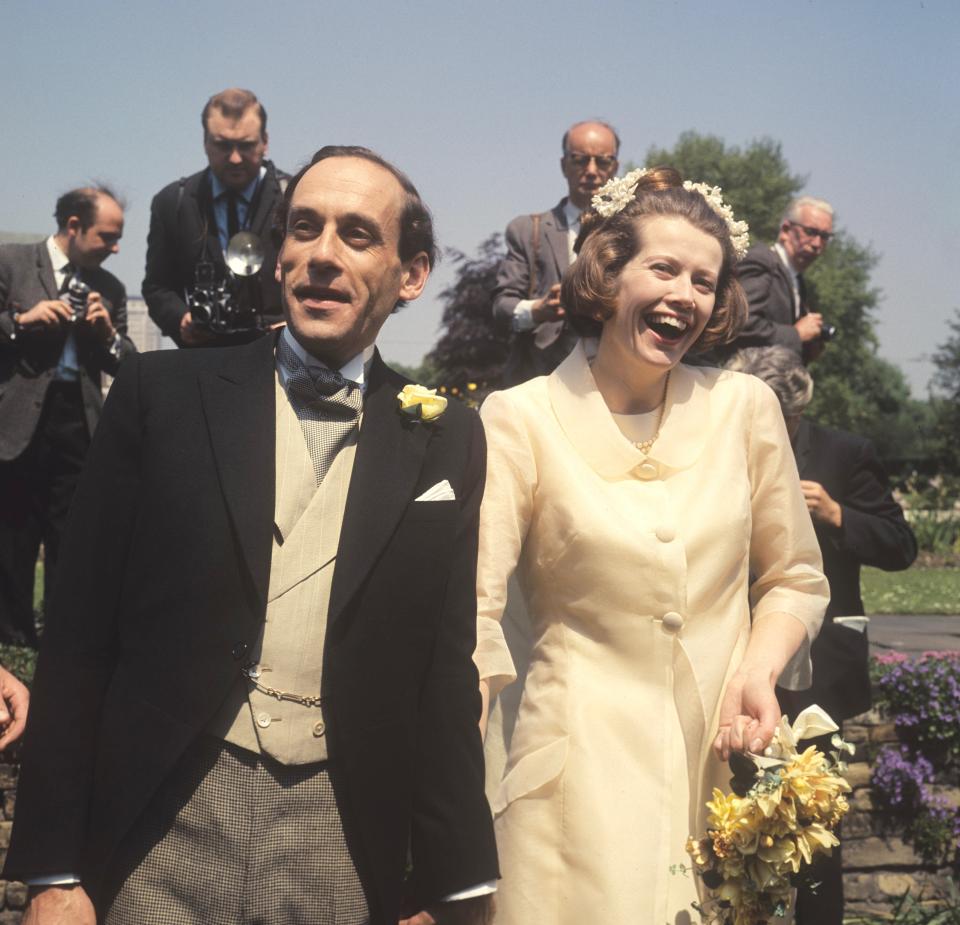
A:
821,506
749,713
59,905
548,308
14,701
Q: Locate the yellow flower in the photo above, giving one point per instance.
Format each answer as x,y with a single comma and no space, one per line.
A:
471,387
420,403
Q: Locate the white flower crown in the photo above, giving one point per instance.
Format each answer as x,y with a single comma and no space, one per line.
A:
617,193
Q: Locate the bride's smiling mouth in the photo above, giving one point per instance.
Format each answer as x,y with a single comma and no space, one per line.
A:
667,327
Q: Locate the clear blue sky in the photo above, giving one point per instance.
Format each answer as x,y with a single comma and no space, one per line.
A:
471,100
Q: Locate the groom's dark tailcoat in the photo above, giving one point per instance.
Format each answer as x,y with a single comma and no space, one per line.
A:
163,590
874,532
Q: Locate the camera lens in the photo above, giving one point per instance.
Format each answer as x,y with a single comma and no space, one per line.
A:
828,332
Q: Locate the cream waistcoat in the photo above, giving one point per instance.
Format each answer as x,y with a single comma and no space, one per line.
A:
288,656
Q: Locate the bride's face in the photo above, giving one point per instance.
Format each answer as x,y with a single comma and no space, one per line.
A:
666,293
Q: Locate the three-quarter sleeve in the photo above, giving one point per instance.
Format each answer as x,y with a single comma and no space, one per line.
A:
504,518
785,557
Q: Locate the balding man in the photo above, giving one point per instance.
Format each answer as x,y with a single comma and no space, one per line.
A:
540,248
772,278
63,322
193,219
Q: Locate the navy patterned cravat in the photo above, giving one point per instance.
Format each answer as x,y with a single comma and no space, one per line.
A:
327,406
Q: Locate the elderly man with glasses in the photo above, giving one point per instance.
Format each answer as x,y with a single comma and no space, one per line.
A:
772,278
540,248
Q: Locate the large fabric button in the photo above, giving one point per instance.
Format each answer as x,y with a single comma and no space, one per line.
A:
263,720
646,471
666,533
672,621
319,729
239,650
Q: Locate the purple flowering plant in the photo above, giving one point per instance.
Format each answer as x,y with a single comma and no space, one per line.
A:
922,696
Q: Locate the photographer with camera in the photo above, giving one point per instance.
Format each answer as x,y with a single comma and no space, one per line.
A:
190,293
772,278
63,322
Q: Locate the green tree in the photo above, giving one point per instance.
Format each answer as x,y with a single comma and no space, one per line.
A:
471,349
945,426
756,180
855,389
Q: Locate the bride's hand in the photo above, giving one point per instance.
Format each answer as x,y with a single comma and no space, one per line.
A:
749,713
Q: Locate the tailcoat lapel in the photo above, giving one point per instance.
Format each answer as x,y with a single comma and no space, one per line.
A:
389,458
240,409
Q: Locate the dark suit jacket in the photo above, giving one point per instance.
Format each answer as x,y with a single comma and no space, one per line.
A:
874,532
769,290
183,232
28,359
137,658
550,257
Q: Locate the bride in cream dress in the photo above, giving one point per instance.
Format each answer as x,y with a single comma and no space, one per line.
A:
653,516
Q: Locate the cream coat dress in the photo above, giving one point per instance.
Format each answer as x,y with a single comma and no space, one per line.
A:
636,576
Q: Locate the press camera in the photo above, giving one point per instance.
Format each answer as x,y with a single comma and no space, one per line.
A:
231,305
76,297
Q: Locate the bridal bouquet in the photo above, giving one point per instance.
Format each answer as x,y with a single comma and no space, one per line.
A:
782,812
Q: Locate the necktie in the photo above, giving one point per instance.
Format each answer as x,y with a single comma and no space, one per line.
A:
327,406
68,273
233,217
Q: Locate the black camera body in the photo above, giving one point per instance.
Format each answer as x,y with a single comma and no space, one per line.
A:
219,305
76,297
828,332
231,305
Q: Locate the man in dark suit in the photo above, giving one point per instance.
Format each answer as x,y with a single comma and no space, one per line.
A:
858,522
157,777
53,350
540,248
193,219
772,278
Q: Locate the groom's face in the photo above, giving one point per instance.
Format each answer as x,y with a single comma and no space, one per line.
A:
339,267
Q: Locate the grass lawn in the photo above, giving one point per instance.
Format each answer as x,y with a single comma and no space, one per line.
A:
917,590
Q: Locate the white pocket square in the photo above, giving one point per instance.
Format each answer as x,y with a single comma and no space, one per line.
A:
440,492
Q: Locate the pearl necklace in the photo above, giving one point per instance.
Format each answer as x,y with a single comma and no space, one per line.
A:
644,446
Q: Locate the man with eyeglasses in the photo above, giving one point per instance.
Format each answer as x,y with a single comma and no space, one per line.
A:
540,248
193,219
772,278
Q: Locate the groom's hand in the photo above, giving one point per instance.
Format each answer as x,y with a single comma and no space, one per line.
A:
59,905
475,911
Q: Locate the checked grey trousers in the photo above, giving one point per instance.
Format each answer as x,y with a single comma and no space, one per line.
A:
234,838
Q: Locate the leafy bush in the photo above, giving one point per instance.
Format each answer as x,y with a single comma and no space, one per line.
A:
932,507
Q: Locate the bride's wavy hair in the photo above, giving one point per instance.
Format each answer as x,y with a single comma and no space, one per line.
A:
606,245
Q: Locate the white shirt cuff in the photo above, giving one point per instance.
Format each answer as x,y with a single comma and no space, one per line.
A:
53,880
523,316
481,889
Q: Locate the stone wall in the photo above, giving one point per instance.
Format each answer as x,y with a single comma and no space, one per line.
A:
878,865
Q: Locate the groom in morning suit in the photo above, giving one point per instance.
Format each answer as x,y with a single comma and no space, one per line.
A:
256,700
